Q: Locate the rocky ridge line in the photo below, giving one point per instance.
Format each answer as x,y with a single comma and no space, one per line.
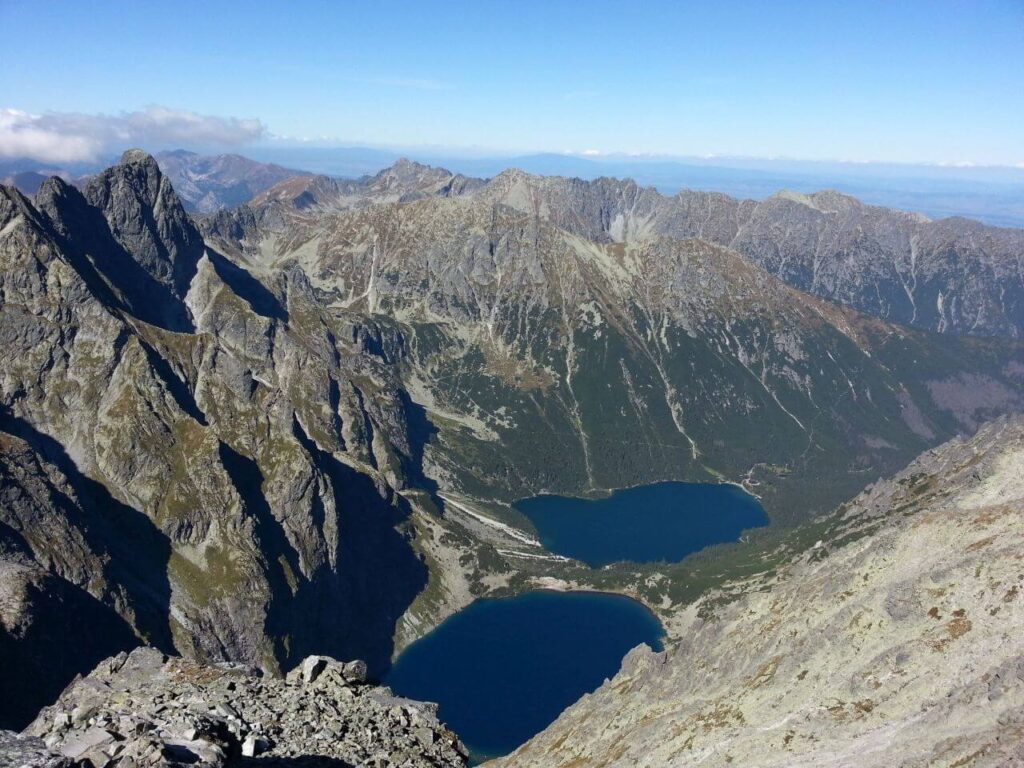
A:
952,275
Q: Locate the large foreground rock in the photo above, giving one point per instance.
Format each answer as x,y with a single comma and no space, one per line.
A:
146,709
19,751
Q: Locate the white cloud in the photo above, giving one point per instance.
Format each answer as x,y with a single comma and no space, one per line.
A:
66,137
955,164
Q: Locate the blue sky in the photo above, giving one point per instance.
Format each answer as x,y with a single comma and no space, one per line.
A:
931,81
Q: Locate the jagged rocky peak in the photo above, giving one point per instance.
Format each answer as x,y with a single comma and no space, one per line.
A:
132,241
301,193
232,224
147,218
140,156
508,179
407,180
404,181
12,204
65,207
832,200
51,191
404,169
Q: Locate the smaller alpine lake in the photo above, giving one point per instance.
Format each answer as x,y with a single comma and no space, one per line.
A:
502,670
649,523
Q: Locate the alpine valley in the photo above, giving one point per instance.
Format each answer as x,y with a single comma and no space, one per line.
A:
255,446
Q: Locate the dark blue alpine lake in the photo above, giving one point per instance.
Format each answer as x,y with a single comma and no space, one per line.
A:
649,523
502,670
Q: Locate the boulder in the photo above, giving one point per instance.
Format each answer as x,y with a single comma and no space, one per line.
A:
21,751
355,671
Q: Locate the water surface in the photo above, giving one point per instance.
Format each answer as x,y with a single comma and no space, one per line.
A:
502,670
649,523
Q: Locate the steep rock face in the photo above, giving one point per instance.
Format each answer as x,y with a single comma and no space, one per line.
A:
147,219
951,276
892,641
119,277
603,210
230,492
36,611
144,708
68,558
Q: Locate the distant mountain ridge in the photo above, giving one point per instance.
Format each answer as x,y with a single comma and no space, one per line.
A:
950,276
204,183
992,195
207,183
402,182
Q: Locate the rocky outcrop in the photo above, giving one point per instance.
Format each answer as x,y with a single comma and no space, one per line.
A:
146,709
892,640
20,751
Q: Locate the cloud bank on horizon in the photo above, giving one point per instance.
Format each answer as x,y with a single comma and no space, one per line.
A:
71,137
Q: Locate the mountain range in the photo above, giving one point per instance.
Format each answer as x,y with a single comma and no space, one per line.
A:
332,393
207,183
203,183
948,275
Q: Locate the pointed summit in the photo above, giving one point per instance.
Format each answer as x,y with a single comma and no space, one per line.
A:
147,219
408,180
137,155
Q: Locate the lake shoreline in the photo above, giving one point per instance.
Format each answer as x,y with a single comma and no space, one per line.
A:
660,522
502,669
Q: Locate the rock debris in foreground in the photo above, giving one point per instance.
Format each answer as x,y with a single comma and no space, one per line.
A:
146,710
